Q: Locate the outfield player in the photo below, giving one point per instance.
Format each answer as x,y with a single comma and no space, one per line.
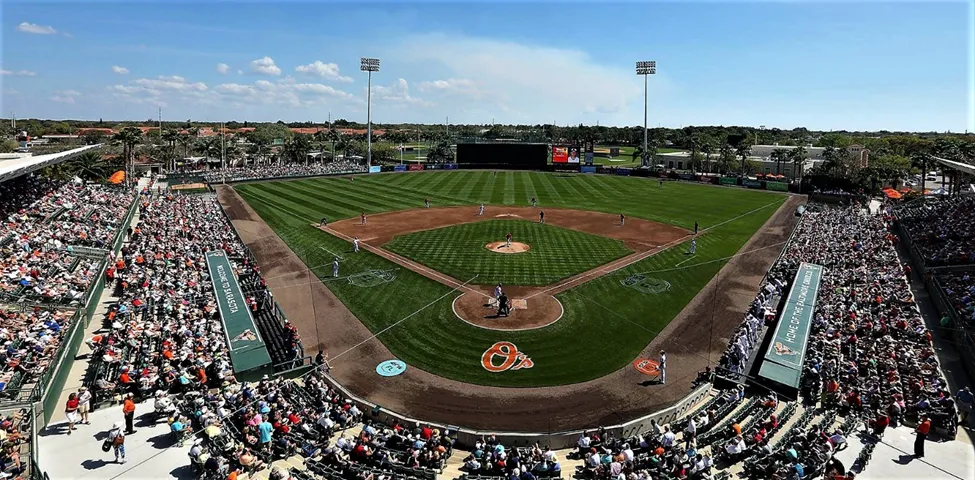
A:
693,246
622,220
480,213
363,217
324,222
660,183
508,240
355,244
426,202
541,216
695,228
335,267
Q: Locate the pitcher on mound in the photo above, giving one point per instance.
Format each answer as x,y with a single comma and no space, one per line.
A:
507,239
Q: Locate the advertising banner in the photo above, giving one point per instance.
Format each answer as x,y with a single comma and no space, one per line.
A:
623,172
687,176
590,151
375,169
247,350
727,181
450,166
777,186
399,168
588,169
414,167
560,154
783,360
432,166
751,183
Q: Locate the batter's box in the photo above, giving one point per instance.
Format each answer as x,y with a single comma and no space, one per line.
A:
516,303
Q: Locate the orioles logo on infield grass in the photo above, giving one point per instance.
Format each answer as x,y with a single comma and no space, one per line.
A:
512,359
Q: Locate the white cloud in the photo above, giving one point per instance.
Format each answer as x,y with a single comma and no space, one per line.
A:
223,68
450,85
286,91
36,29
120,70
65,96
10,91
265,66
235,89
329,71
18,73
530,82
398,92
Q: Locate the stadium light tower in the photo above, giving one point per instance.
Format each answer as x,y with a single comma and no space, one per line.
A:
645,68
369,65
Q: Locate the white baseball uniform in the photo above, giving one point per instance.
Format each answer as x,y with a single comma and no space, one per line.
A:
355,244
335,268
693,246
481,212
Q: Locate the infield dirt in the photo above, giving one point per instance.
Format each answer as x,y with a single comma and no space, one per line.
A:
324,322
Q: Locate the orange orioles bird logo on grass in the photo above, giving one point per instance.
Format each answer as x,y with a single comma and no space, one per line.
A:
512,359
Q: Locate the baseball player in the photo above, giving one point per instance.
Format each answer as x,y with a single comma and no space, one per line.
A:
693,246
663,367
426,202
541,216
660,183
335,267
695,228
324,222
534,202
508,245
363,217
622,219
355,244
498,292
480,213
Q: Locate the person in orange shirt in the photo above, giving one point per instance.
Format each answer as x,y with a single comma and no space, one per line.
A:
128,410
922,434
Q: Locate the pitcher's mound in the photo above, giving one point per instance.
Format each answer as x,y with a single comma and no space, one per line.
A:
502,247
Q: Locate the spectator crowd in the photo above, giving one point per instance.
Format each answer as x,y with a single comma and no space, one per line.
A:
285,170
943,230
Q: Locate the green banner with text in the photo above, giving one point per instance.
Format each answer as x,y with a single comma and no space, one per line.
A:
777,186
247,350
783,360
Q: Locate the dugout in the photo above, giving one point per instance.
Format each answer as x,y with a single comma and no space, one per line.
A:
508,156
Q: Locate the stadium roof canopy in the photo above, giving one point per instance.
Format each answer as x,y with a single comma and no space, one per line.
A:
961,167
20,166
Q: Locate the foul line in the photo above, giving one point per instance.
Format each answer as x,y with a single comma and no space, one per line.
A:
687,260
404,318
411,265
332,253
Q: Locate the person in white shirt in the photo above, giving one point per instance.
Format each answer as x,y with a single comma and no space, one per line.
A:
584,442
663,367
735,447
627,452
668,438
691,431
593,459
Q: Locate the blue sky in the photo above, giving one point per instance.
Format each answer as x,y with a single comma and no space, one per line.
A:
823,65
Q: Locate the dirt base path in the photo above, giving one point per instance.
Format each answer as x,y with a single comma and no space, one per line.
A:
324,322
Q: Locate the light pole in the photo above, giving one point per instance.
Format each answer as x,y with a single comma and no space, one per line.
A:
645,68
369,65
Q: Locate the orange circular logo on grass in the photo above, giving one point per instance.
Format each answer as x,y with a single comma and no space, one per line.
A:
511,358
647,366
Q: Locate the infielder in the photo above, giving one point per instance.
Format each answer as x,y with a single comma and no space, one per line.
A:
355,244
534,202
695,228
480,213
335,267
508,245
426,202
693,246
363,217
324,222
663,367
622,219
541,216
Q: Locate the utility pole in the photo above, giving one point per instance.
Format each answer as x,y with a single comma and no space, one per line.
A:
645,68
223,161
447,125
369,65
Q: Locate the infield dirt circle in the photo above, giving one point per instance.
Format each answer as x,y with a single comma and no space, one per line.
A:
503,247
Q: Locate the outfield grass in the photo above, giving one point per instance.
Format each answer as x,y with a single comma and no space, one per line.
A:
605,324
556,253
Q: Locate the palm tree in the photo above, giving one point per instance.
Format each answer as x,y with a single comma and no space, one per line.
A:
779,155
171,137
128,138
88,166
707,148
798,157
296,148
727,156
743,150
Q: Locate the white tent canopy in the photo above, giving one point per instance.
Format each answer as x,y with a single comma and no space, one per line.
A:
23,165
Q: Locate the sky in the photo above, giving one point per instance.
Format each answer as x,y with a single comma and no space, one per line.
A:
821,65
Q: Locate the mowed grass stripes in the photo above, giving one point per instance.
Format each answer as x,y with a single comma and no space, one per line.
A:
555,253
605,325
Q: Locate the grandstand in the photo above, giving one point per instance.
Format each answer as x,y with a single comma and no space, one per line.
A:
134,261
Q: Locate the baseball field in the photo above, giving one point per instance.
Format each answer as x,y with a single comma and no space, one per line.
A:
589,294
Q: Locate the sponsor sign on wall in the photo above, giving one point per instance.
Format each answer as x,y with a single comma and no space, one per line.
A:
751,183
727,181
375,169
450,166
414,167
399,168
623,172
777,186
588,169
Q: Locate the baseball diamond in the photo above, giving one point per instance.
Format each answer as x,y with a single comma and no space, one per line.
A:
580,323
